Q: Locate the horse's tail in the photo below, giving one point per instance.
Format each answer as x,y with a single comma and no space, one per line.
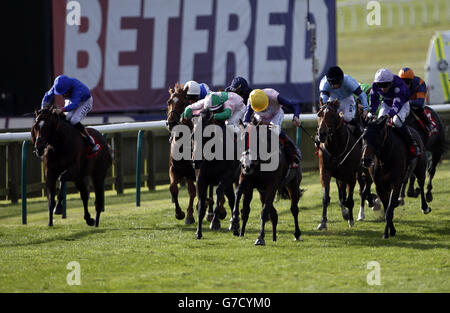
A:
443,143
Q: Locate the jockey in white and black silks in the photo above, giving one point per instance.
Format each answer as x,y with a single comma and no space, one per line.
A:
266,105
337,85
394,95
78,103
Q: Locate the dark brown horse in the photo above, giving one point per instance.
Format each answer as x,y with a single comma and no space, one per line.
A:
66,158
339,157
386,156
436,145
267,183
179,169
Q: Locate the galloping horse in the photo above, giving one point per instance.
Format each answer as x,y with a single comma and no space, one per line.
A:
336,143
267,183
179,169
65,157
436,144
217,172
386,156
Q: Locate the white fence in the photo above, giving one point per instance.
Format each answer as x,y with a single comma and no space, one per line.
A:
352,14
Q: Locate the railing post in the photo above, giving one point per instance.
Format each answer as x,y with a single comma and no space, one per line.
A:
138,168
24,182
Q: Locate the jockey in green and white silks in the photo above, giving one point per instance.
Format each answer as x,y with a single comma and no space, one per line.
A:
226,106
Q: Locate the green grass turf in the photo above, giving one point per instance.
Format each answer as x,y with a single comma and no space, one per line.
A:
362,52
145,249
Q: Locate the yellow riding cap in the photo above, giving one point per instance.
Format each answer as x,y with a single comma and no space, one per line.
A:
258,100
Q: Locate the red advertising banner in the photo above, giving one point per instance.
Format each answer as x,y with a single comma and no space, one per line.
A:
129,52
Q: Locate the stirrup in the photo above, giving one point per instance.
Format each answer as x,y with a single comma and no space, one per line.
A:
95,148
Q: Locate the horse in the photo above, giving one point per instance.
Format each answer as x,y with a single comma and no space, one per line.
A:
385,155
66,158
339,155
179,169
435,144
267,183
216,172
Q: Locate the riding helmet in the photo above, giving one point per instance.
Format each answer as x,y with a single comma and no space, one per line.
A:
258,100
335,75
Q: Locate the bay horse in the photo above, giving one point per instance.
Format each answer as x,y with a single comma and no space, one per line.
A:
66,158
215,172
436,145
179,169
385,155
339,155
267,183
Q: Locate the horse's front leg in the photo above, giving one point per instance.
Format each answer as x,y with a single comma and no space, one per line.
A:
325,177
202,190
389,229
234,225
59,206
179,214
265,214
190,210
50,181
84,193
349,202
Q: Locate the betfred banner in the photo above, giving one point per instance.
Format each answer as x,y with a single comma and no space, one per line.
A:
129,52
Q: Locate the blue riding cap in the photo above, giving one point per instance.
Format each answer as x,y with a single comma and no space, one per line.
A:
62,84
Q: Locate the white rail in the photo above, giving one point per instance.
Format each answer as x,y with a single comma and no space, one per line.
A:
136,126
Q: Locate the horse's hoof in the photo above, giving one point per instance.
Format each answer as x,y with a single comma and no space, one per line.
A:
215,225
209,216
222,215
234,225
322,226
199,235
351,223
260,242
385,236
427,210
90,222
58,209
180,215
346,214
429,197
298,238
392,232
377,204
401,201
189,220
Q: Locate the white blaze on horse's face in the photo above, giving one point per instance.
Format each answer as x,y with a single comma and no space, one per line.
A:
175,100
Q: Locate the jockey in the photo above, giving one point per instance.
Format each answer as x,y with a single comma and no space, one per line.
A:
196,91
78,103
394,96
240,86
227,106
267,106
418,93
336,85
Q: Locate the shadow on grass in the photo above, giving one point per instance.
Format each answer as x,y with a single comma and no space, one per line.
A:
65,237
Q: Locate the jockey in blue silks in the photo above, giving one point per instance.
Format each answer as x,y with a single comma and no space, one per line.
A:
337,85
394,103
78,103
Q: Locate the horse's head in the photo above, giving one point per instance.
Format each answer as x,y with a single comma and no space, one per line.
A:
43,129
329,120
176,105
373,140
248,164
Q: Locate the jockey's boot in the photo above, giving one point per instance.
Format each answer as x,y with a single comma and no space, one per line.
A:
424,118
87,138
414,149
